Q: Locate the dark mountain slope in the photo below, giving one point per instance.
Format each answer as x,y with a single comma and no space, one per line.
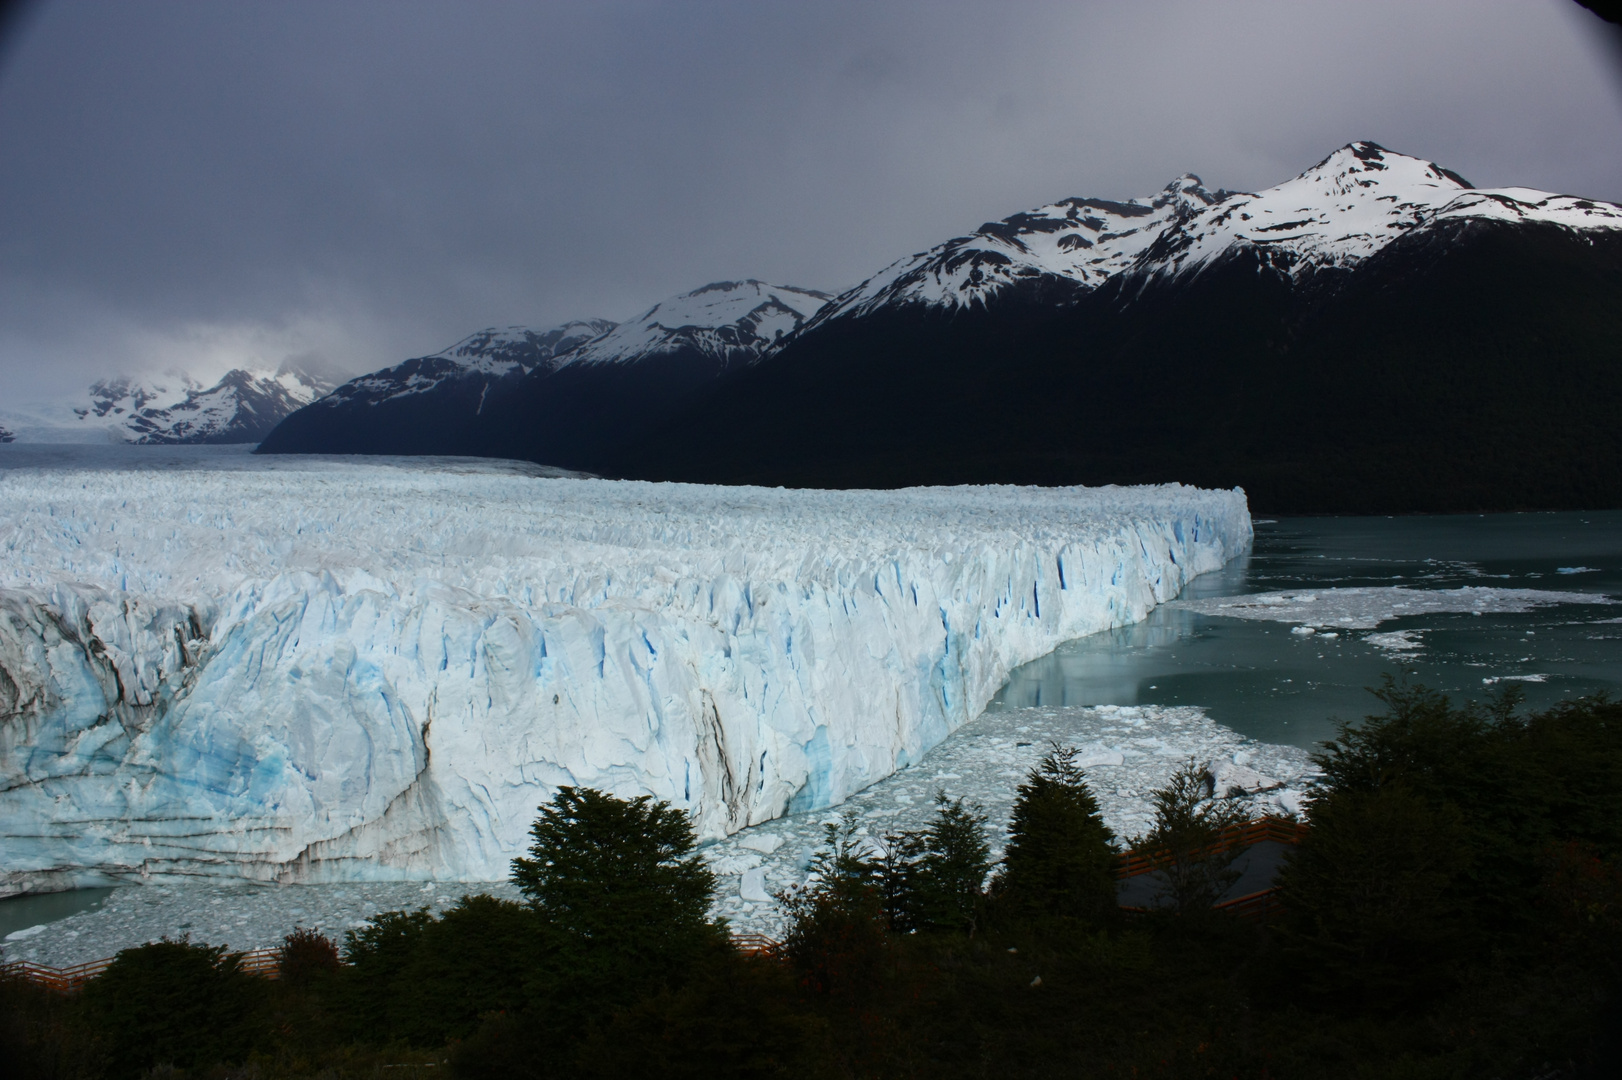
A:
430,404
1470,365
561,397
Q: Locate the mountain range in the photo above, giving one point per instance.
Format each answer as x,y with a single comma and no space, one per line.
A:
1374,335
571,395
243,406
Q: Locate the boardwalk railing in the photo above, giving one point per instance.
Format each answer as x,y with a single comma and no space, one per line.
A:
1257,905
265,963
1278,830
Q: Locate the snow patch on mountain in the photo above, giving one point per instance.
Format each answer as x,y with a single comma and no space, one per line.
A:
295,668
732,321
487,356
1083,241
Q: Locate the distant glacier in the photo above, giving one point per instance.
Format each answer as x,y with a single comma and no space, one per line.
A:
315,669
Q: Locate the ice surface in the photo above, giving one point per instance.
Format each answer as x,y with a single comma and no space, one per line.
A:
1398,642
234,914
1366,608
305,669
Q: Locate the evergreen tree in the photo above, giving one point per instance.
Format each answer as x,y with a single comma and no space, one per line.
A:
1187,844
618,885
173,1003
1060,853
837,920
1373,911
951,873
896,871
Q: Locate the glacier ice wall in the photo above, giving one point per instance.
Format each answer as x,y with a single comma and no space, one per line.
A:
319,670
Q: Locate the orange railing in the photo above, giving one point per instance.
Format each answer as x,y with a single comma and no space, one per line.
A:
757,945
265,963
1279,830
1257,905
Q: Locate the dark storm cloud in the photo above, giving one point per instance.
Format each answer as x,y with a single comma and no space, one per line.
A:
203,183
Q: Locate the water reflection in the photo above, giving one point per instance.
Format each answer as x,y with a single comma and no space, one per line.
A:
21,912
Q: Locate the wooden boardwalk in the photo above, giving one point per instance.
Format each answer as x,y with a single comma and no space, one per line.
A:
266,963
1260,904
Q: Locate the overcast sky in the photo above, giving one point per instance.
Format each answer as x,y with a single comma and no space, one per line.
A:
197,185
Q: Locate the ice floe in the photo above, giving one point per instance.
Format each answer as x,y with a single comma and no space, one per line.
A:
1367,608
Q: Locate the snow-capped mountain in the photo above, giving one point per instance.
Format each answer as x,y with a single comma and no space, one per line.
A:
1081,242
241,407
1372,335
562,396
1352,205
1346,208
482,358
731,321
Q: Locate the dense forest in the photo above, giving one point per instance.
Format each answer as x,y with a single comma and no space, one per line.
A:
1453,909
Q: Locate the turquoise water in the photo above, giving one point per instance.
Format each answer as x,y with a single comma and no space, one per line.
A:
21,912
1270,684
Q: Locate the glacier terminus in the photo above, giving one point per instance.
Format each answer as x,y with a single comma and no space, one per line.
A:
308,669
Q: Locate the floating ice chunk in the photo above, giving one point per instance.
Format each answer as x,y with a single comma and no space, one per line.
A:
1228,776
1514,678
763,842
23,935
1397,641
1304,631
1576,570
728,865
753,886
1095,758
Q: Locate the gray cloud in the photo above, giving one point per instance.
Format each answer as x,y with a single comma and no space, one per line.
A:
200,183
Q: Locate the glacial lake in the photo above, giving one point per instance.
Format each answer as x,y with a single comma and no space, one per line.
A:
1270,681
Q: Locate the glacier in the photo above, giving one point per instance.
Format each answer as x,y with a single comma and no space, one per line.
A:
306,669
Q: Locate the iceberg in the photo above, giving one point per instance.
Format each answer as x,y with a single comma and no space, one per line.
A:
328,669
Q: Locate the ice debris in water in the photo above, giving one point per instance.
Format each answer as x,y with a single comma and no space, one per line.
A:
1132,751
1128,751
1367,608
